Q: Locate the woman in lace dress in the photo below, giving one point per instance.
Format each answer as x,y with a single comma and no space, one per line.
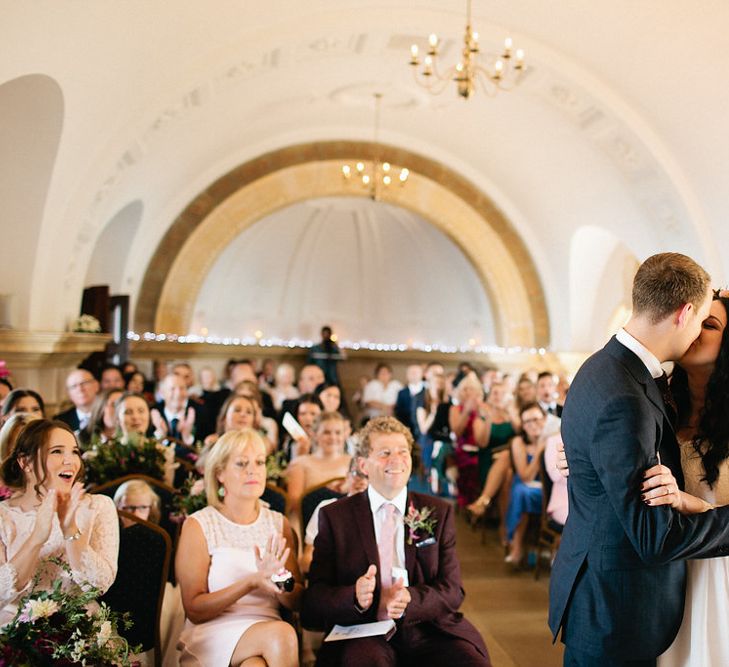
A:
227,554
701,389
49,515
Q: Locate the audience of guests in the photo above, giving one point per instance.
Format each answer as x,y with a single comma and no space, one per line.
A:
82,388
380,394
226,557
49,515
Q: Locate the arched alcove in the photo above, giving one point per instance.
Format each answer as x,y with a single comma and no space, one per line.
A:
32,111
374,271
273,181
106,266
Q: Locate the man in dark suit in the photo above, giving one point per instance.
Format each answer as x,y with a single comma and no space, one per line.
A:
182,419
369,565
547,394
82,388
410,398
618,583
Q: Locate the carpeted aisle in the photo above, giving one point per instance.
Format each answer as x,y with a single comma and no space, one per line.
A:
508,608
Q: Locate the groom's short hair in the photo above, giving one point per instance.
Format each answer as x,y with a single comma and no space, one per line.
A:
666,282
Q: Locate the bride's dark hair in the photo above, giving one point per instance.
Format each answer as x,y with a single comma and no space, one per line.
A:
712,437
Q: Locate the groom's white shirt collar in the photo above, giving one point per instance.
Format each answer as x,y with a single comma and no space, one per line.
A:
644,354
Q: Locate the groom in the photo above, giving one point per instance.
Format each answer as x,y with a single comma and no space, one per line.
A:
618,583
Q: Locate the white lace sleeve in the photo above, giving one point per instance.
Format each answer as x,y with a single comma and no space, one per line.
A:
8,580
99,561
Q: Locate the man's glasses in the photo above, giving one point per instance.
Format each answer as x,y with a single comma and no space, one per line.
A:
78,385
134,508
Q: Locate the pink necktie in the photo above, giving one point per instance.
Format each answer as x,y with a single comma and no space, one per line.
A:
387,545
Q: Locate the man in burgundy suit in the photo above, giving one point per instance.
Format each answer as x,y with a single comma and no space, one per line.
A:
368,565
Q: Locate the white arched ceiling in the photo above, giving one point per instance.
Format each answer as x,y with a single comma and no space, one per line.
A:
601,273
616,126
31,113
372,270
110,255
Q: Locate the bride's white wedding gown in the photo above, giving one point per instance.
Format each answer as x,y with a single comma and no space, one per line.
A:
703,639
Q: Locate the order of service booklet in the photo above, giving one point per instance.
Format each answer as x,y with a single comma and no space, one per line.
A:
340,632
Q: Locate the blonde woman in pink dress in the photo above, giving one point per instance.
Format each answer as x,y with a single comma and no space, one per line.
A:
227,554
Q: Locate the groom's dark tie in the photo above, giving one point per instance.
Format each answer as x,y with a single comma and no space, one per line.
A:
671,407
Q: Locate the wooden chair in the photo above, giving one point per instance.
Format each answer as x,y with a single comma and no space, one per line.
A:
550,532
314,495
144,560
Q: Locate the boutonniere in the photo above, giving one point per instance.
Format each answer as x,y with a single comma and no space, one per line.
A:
419,520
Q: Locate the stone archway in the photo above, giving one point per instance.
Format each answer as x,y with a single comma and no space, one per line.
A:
275,180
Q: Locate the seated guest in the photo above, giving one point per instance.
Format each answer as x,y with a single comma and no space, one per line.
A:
355,482
308,409
547,394
283,388
244,371
410,398
267,425
134,382
8,436
226,557
526,489
526,392
22,400
368,565
380,394
237,413
327,460
177,417
310,377
82,388
50,515
331,398
469,421
134,417
111,378
138,498
102,424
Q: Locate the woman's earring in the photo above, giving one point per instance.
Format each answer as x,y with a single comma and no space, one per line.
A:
221,491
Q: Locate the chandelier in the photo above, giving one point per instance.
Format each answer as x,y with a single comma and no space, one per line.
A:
494,72
374,175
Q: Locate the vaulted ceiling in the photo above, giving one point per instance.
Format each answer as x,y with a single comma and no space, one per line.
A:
117,115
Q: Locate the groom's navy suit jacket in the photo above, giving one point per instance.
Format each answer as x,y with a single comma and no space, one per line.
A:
618,584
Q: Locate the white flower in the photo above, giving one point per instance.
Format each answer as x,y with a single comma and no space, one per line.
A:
41,608
197,488
79,650
89,455
104,633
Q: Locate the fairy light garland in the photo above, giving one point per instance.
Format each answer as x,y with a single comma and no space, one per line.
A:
299,343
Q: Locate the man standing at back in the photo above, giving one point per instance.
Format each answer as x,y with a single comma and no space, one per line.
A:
618,584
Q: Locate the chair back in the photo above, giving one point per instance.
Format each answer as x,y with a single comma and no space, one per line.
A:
276,498
313,496
144,559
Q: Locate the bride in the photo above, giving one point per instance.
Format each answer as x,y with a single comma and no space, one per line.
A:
700,386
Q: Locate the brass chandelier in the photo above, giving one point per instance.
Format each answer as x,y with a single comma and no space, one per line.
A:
492,72
374,175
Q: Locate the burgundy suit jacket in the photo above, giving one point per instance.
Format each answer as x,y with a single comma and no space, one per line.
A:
345,547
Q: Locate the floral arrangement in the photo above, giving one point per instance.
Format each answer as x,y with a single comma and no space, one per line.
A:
4,372
86,324
276,466
419,520
63,626
117,457
190,499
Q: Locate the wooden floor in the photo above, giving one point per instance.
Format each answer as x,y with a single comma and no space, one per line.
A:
508,608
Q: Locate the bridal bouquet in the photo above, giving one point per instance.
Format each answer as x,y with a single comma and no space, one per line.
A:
86,324
64,627
117,457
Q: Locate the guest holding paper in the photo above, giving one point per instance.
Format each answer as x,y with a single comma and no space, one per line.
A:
389,554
